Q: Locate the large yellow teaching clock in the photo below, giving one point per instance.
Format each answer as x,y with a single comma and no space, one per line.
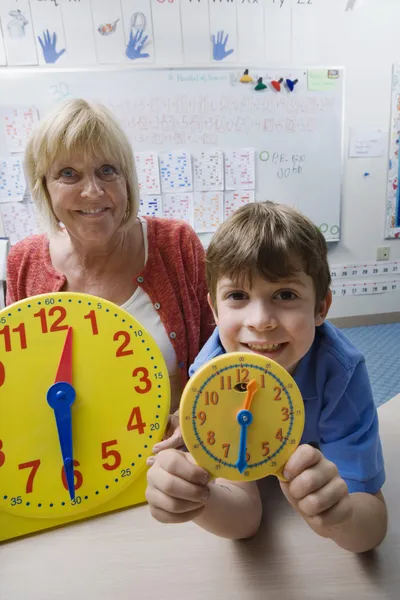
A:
84,396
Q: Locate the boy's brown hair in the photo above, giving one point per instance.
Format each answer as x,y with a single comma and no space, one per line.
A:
271,240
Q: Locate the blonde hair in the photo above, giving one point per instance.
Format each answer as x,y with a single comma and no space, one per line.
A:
270,240
78,126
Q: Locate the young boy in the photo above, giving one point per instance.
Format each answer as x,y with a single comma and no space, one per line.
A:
268,279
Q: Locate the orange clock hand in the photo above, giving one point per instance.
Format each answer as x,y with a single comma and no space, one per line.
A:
64,371
252,388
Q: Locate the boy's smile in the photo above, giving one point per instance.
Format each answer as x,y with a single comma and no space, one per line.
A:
274,319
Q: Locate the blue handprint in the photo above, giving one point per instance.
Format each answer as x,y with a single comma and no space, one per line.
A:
48,44
135,45
219,46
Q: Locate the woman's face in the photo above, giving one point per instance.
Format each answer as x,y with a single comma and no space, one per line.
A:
88,195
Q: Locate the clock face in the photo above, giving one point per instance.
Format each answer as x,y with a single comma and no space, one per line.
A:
246,446
120,410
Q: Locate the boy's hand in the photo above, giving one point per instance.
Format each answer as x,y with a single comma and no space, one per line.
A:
173,436
316,490
177,489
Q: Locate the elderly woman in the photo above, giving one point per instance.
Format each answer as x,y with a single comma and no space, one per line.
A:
82,177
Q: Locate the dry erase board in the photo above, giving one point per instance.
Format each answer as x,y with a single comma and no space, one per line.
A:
296,136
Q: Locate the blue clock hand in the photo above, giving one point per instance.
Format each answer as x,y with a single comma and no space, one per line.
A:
244,418
60,396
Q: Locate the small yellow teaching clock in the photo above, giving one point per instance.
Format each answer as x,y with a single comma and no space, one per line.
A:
84,396
242,416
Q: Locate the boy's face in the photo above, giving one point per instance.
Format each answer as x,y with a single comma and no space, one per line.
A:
274,319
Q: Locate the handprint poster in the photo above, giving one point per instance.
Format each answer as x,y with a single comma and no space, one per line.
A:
223,28
138,31
49,33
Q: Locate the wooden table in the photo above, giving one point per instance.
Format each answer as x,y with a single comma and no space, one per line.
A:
129,556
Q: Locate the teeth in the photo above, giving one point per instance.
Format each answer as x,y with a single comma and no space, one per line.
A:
92,210
264,347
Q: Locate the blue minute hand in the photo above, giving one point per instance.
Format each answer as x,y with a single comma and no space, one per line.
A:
245,418
60,397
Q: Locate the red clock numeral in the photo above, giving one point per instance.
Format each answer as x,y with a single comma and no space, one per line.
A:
7,336
211,438
285,413
77,474
226,449
242,375
278,392
106,453
121,350
265,448
92,318
202,417
34,465
2,374
136,415
144,379
2,455
279,435
56,326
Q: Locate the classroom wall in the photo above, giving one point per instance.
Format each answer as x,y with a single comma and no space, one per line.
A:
362,36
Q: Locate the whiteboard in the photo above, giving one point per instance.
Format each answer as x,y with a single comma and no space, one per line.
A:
296,136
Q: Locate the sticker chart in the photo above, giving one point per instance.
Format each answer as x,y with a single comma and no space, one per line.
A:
208,211
239,169
18,220
150,206
147,172
178,206
393,190
12,180
18,124
176,172
208,169
234,200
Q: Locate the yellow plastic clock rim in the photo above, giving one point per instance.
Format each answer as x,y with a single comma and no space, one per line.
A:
223,416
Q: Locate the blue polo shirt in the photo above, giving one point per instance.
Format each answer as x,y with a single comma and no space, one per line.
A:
340,412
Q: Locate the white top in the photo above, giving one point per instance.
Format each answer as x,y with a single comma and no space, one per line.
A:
139,306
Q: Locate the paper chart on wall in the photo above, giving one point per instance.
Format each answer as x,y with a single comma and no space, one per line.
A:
108,31
167,32
196,31
239,169
49,33
176,171
138,30
12,180
208,169
18,124
150,206
393,189
234,200
178,206
148,172
18,220
208,211
79,33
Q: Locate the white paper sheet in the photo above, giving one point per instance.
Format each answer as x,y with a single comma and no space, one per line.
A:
108,31
366,143
167,32
178,206
148,172
176,171
18,124
277,30
208,211
12,180
18,220
150,206
239,169
79,34
196,31
19,38
233,201
208,170
251,38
